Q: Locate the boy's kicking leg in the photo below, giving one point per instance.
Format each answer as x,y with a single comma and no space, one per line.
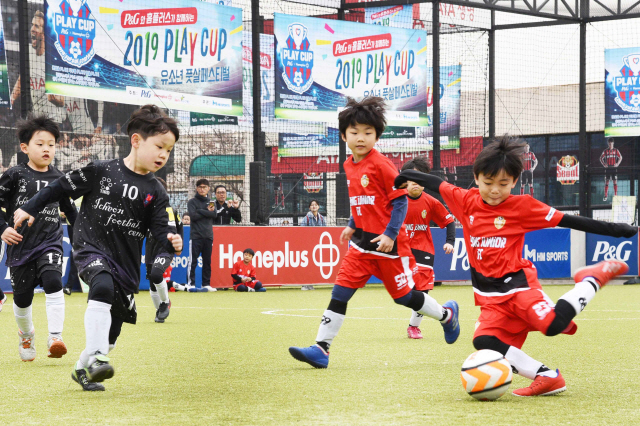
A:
557,320
54,296
22,302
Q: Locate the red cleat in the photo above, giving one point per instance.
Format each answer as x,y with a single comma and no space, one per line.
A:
603,272
414,333
543,386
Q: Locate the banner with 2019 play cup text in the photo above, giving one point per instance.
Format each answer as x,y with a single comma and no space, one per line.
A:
319,62
182,54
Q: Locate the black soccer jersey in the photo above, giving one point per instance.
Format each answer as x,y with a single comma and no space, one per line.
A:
119,207
153,248
17,186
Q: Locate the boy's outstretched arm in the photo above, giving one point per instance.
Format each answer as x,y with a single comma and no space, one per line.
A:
430,182
593,226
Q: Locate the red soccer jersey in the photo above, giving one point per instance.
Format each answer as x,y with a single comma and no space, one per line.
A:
494,238
528,158
371,191
243,270
610,156
420,213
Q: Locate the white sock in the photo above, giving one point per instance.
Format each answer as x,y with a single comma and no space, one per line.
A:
580,295
155,298
329,326
523,363
55,311
97,322
416,319
163,292
23,318
111,347
549,373
431,308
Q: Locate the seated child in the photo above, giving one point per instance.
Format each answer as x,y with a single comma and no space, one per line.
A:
244,274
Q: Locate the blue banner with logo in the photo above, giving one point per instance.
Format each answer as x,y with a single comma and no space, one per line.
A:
178,274
601,248
622,92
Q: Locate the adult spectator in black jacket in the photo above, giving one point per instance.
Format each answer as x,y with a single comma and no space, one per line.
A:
226,210
203,215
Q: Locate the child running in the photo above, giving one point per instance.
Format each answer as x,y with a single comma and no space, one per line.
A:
122,201
423,209
158,266
379,244
505,285
34,254
244,274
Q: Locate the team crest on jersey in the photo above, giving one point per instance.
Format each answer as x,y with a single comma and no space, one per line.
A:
297,59
471,220
499,222
627,86
148,199
105,185
75,30
424,214
23,185
364,181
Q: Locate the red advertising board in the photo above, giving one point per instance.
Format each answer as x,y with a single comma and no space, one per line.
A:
284,255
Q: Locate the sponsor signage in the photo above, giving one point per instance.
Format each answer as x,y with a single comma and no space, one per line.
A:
600,247
622,92
567,171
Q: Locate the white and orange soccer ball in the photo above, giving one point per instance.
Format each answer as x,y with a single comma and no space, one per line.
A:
486,375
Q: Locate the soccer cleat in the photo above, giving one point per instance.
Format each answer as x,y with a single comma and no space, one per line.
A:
163,311
262,289
197,290
4,299
100,370
452,326
57,348
80,377
67,291
209,288
313,355
603,271
543,386
604,199
414,332
307,287
26,346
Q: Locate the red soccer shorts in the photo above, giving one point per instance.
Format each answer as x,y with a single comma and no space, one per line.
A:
512,320
424,278
396,274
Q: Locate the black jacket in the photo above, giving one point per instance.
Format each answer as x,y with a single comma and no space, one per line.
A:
202,219
225,214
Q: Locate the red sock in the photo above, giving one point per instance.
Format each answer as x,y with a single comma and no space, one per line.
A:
615,188
531,190
521,189
606,188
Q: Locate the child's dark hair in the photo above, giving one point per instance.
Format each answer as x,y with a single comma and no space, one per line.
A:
420,164
163,183
202,181
314,201
248,250
503,153
368,111
40,123
149,120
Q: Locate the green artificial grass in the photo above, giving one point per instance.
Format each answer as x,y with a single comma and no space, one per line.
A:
222,359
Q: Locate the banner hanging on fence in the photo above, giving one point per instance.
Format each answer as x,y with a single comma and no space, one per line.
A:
302,145
4,73
622,92
400,16
267,78
450,88
319,62
180,57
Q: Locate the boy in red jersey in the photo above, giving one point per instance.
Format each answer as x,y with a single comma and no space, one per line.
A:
506,286
244,274
422,209
379,244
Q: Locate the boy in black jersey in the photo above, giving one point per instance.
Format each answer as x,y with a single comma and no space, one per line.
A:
122,201
158,261
37,260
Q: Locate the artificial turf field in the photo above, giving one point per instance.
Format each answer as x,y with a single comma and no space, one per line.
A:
222,359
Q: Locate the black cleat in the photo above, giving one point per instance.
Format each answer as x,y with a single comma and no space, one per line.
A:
163,311
80,377
67,291
100,370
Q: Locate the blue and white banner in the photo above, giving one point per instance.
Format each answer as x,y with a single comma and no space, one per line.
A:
601,248
622,92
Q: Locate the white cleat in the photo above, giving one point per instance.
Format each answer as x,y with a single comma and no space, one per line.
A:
209,288
57,348
2,302
27,346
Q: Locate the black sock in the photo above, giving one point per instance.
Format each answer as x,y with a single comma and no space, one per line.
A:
444,314
542,369
324,345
